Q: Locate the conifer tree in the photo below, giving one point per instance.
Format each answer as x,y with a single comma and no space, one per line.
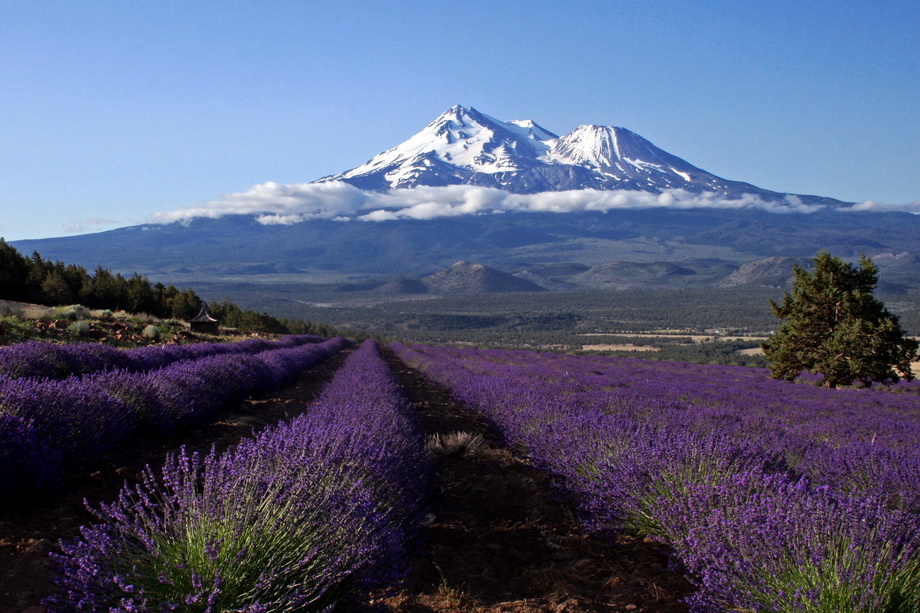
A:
832,325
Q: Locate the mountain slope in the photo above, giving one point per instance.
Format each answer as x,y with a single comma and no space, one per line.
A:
463,146
766,272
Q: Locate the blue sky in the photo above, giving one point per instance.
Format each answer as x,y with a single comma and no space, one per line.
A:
113,111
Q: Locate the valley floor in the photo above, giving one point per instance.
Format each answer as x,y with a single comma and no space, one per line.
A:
498,537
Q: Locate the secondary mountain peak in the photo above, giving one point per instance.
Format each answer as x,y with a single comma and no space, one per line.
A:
533,129
589,145
622,156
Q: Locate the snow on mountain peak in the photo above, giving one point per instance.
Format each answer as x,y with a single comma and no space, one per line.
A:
532,129
464,146
458,141
589,145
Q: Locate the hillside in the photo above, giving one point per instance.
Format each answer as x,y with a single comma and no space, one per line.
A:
467,278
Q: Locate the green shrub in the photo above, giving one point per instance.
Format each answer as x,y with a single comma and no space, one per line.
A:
79,327
74,312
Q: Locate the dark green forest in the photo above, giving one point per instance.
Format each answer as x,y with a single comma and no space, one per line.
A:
53,283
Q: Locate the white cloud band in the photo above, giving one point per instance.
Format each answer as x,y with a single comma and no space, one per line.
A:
284,204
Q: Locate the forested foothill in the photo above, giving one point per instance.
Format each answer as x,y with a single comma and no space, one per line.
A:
35,280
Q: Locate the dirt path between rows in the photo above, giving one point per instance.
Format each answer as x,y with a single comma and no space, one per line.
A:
30,530
501,540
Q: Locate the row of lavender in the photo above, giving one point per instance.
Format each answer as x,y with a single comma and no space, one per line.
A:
58,361
774,496
305,516
47,425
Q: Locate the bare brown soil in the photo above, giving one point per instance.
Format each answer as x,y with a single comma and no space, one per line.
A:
31,529
500,538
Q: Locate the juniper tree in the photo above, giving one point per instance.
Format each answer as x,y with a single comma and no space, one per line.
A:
832,325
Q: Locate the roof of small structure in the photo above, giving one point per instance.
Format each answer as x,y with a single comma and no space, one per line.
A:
203,316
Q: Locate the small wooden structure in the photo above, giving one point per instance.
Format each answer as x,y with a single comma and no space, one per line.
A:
203,322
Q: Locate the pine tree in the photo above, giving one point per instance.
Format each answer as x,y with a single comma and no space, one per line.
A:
13,271
832,325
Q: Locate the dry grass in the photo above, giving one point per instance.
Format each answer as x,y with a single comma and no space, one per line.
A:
27,310
456,444
621,347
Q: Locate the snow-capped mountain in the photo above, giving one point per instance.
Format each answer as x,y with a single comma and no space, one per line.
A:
624,160
461,146
466,147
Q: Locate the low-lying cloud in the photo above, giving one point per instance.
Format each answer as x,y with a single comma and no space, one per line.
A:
881,207
285,204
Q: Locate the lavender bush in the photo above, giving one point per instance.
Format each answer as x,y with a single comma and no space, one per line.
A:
767,542
26,460
775,496
77,420
301,518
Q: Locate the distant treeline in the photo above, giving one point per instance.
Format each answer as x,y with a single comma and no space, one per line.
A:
36,280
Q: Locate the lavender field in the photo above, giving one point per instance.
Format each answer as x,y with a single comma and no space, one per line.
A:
771,496
767,495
